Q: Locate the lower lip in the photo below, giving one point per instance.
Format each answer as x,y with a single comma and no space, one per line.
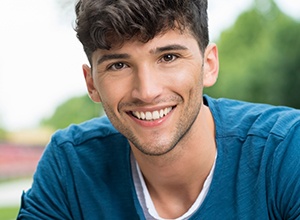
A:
153,123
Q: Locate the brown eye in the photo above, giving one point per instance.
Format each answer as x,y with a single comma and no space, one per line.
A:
169,57
117,66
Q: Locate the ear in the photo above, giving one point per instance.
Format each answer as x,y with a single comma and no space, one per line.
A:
88,76
211,65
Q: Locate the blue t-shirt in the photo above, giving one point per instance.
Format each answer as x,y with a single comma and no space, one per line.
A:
85,171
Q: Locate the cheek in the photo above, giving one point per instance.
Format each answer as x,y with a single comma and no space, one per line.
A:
188,78
112,92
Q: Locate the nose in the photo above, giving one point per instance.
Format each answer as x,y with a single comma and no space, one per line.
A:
148,85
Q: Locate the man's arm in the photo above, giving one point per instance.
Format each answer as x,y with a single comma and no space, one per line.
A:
286,175
46,199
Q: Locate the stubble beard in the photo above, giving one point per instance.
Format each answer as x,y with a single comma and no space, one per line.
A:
160,149
158,146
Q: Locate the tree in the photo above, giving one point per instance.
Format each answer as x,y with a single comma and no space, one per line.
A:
3,134
259,58
74,110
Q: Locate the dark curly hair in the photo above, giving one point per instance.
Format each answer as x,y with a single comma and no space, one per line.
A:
101,24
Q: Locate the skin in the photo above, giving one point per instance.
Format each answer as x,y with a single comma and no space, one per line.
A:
175,152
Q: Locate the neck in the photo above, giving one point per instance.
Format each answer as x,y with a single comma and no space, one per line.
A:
178,176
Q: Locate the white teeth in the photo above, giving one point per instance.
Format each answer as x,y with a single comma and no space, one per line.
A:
149,116
161,113
138,115
155,115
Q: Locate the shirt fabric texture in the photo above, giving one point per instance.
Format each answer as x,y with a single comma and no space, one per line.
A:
85,171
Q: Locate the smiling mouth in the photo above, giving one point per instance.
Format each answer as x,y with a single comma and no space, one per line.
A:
151,116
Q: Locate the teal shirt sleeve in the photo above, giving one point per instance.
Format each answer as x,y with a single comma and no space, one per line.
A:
286,175
47,198
84,173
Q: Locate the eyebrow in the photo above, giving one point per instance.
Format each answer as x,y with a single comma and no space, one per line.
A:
168,48
107,57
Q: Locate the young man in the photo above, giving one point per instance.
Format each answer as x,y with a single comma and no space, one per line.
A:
164,151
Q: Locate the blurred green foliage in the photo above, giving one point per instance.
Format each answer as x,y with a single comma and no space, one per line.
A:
3,134
8,213
75,110
260,58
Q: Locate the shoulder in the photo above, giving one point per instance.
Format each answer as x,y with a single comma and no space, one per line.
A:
263,141
234,117
83,144
94,129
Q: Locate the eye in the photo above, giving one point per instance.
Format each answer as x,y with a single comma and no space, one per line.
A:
117,66
169,58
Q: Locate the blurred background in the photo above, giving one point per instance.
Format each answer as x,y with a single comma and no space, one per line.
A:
42,88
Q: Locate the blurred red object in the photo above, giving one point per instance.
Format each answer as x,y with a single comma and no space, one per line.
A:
17,161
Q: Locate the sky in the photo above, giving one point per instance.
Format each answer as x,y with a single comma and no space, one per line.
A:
41,58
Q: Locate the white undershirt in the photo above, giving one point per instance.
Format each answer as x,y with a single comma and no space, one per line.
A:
145,198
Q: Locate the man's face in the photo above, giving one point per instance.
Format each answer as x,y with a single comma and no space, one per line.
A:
151,92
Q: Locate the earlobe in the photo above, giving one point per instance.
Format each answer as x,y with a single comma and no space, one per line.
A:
211,65
88,76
